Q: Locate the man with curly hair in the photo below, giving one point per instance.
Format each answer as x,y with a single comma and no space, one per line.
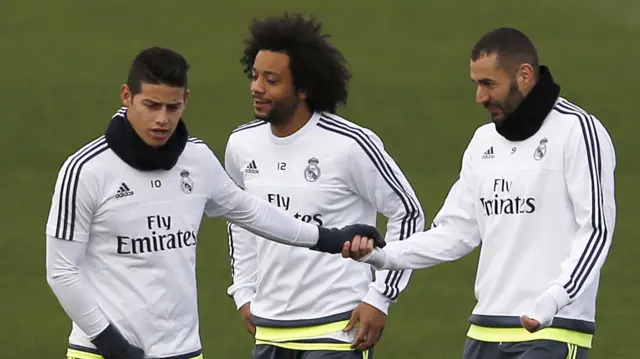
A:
320,168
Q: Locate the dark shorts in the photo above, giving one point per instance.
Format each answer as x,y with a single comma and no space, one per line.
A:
535,349
265,351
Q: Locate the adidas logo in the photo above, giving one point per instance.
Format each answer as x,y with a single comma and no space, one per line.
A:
252,168
488,153
124,191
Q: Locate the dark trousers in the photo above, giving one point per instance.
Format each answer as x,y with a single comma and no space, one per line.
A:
535,349
263,351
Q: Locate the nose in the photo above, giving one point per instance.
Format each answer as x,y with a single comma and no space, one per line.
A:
257,87
481,95
162,118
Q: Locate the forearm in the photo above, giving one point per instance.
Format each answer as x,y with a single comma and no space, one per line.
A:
268,221
63,260
243,253
421,250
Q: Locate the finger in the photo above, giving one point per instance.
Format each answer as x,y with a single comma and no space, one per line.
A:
370,245
346,250
355,248
362,335
372,337
352,321
529,324
364,243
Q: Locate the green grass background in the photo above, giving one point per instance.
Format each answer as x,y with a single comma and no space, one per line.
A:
63,62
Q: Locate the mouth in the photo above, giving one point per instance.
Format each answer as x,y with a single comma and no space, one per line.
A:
159,134
260,105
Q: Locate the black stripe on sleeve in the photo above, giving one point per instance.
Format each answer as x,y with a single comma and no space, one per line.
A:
232,259
597,239
69,186
409,222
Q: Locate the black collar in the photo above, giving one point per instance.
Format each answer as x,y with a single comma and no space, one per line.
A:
527,119
126,143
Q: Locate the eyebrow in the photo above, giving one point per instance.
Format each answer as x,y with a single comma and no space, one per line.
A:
267,72
483,81
150,101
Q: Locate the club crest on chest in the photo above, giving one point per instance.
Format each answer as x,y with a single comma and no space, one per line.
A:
541,150
186,184
312,172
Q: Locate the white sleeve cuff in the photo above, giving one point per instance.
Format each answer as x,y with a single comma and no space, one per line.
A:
243,297
377,300
559,294
376,259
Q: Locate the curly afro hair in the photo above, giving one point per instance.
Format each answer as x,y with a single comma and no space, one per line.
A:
317,67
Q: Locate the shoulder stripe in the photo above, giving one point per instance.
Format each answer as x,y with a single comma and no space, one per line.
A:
120,113
195,140
69,186
409,222
249,125
596,243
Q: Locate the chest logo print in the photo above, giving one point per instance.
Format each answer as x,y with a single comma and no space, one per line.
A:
541,150
312,171
186,184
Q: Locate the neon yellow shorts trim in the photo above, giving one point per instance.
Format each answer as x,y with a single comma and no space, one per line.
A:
308,346
79,354
288,337
497,335
291,334
573,351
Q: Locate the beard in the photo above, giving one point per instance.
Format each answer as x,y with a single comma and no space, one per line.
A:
509,104
281,111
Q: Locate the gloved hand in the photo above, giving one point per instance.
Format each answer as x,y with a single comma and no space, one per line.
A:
113,345
332,240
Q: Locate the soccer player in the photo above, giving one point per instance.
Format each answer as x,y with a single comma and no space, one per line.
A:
536,190
321,168
123,225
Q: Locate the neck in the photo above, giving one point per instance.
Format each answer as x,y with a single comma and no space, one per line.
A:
530,114
128,145
300,117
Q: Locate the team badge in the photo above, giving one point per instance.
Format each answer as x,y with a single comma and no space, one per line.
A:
312,171
186,184
541,150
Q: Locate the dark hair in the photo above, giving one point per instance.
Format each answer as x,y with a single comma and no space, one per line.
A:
157,65
317,67
512,47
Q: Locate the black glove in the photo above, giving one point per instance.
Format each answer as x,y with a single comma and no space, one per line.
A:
112,345
332,240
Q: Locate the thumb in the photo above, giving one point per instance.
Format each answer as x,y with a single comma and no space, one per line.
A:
352,322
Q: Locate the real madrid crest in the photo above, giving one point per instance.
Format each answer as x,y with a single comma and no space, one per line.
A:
541,150
312,171
186,184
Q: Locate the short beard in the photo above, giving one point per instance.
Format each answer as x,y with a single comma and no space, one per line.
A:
281,111
513,100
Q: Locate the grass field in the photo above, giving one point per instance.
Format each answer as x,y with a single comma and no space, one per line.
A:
63,62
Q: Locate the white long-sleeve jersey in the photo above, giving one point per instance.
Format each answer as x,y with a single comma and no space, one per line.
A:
543,211
121,245
331,172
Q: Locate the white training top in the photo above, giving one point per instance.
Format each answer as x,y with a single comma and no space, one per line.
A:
122,243
331,172
543,210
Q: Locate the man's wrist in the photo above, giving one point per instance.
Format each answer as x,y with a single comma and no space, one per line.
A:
243,297
377,300
559,295
376,259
